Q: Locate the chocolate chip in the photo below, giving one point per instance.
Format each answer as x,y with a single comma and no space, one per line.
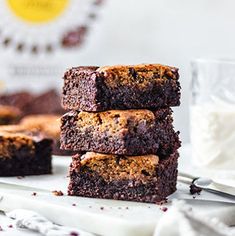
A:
133,72
144,172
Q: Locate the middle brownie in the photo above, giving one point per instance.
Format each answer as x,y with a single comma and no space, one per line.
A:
123,132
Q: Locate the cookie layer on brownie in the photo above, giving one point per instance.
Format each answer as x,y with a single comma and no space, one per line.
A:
23,152
133,178
150,86
123,132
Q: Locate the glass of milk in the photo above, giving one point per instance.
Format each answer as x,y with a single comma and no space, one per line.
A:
212,114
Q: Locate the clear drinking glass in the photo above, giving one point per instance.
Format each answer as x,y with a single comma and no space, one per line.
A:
212,114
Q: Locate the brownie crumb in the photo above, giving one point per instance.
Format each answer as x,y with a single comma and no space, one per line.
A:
1,229
34,194
101,208
127,208
194,189
74,204
58,193
10,226
74,234
164,209
20,177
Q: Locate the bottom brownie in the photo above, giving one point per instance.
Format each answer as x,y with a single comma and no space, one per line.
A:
132,178
24,153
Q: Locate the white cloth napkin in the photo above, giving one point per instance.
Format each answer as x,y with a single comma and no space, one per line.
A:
33,221
180,220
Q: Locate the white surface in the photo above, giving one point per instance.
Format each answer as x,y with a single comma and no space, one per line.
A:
114,218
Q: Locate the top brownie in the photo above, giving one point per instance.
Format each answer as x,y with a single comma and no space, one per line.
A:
151,86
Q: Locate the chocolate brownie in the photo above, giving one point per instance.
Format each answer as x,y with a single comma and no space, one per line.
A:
45,103
23,152
123,132
18,99
28,103
49,125
150,86
133,178
9,115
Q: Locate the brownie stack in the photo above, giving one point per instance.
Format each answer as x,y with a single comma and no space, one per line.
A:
120,125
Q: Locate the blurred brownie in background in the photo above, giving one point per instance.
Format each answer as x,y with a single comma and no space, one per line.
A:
28,103
23,152
9,115
18,99
45,103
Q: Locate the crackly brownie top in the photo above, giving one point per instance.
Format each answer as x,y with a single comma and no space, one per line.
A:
48,124
116,167
16,137
130,75
113,120
9,111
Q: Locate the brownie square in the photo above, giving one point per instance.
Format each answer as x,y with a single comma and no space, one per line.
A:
150,86
123,132
132,178
23,152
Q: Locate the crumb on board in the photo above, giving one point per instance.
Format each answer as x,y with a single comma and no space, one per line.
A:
34,194
164,209
20,177
74,234
57,193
